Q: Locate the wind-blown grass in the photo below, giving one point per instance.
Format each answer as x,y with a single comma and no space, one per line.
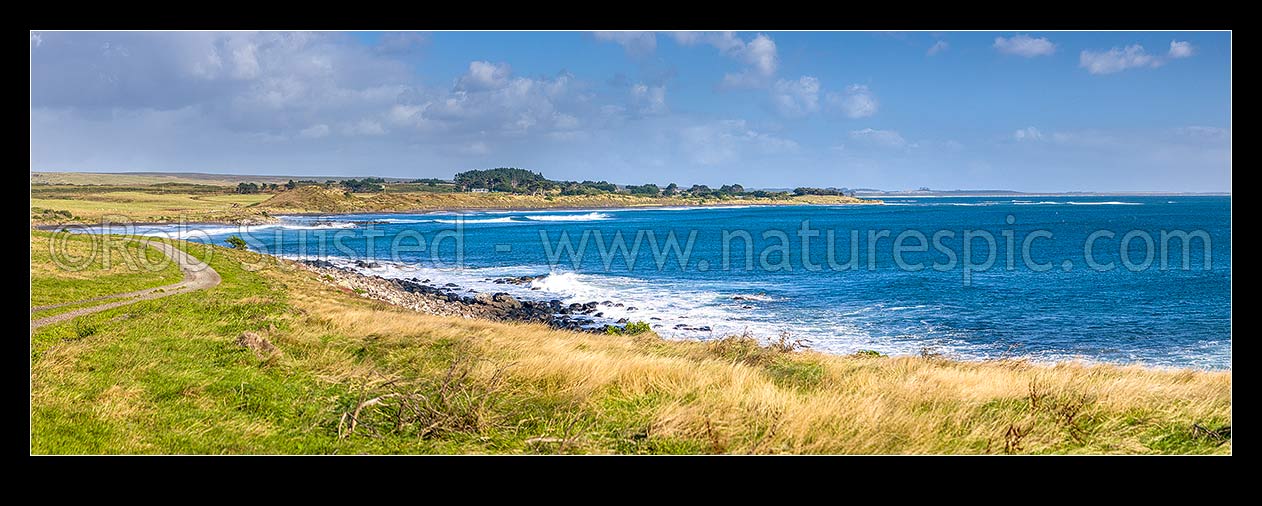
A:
358,376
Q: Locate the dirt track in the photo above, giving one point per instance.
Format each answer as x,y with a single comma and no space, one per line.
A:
197,276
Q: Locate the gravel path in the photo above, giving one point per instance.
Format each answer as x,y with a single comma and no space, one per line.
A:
197,276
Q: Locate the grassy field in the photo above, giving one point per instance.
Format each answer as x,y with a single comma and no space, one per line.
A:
83,268
356,376
316,199
138,198
152,178
91,204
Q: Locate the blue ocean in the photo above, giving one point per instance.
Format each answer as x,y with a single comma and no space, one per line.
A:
1119,279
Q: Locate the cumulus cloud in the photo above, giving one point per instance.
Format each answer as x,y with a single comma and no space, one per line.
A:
484,75
1181,49
857,101
1025,46
364,127
1204,132
937,47
880,138
797,98
277,87
400,43
686,38
315,131
727,141
649,99
791,98
759,55
1028,134
636,44
1117,59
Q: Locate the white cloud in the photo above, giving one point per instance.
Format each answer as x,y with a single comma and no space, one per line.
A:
686,38
483,75
726,42
1181,49
1024,45
727,141
315,131
937,47
636,44
759,55
1204,132
790,98
880,138
1028,134
856,102
37,40
1117,60
245,62
649,99
400,43
364,127
795,99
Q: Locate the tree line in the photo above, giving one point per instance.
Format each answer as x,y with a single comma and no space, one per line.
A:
525,182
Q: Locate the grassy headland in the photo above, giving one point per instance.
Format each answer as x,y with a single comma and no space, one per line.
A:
82,270
353,375
58,198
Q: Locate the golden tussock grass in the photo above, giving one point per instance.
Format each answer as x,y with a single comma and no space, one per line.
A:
733,396
359,376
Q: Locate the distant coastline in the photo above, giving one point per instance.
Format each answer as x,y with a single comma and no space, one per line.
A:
1011,193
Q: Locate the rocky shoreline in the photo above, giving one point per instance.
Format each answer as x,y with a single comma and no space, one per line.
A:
450,300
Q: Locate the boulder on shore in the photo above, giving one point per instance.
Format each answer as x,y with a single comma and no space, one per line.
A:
506,301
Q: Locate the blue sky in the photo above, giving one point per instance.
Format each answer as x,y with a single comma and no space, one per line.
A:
1034,111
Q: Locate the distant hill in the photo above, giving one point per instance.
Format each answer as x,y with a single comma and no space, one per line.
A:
146,178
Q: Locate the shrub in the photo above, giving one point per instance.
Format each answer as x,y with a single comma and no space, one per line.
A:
235,242
630,329
84,329
639,327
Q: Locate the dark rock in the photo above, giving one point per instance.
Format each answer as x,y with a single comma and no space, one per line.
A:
324,264
516,280
505,300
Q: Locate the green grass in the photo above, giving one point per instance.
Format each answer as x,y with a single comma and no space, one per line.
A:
141,204
165,376
73,267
